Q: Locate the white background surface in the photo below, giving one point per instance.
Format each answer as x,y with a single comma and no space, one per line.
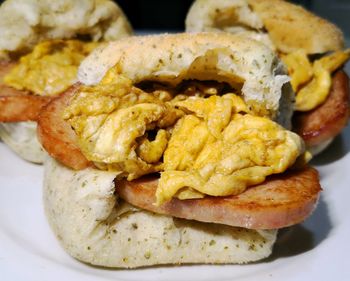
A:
318,249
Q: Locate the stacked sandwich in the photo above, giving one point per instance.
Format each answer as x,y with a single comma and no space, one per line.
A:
172,149
41,46
175,154
311,48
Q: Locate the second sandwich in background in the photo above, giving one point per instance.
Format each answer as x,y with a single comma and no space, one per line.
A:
42,44
311,47
174,149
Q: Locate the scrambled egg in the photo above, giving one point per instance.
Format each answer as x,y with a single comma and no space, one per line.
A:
113,120
50,68
220,149
312,81
202,144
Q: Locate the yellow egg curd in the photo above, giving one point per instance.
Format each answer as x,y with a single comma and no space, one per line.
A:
201,144
50,68
312,81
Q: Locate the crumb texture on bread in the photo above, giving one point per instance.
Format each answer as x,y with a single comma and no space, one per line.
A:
244,63
23,23
95,227
21,138
290,27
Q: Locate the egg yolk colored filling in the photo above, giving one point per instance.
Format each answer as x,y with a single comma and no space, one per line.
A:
312,81
201,140
50,68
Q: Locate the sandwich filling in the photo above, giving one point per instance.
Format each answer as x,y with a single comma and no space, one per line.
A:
312,80
50,68
201,136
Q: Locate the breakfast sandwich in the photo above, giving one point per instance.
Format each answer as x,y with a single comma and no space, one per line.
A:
42,43
311,48
174,149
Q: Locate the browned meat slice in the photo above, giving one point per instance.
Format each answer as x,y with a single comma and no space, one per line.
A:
22,107
5,67
57,136
15,105
327,120
280,201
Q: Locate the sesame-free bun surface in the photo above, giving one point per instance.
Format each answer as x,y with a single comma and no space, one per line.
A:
24,23
290,27
172,58
94,226
21,138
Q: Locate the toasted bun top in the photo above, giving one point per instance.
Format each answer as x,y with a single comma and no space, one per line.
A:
205,15
290,27
24,23
172,58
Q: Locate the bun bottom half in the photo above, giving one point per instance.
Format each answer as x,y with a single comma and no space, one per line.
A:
96,227
21,138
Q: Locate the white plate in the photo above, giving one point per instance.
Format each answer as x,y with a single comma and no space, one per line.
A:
318,249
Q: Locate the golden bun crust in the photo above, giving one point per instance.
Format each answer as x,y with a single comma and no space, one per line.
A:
24,23
96,227
172,58
292,28
289,26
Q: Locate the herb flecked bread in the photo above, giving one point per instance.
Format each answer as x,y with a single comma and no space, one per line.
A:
172,58
96,227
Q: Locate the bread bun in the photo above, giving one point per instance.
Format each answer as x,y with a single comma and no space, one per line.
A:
24,23
289,26
292,28
21,138
94,226
284,27
222,57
